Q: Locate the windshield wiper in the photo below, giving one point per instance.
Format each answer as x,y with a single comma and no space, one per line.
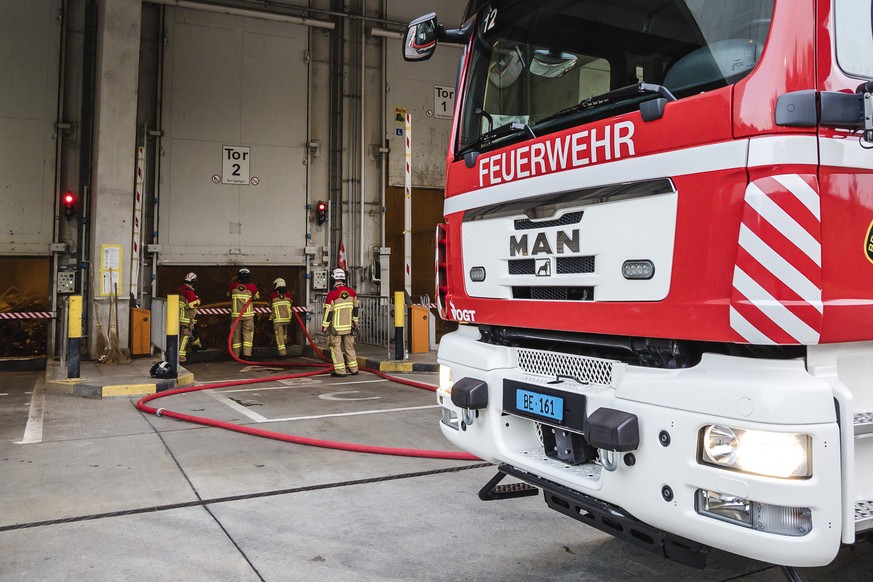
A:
614,96
513,128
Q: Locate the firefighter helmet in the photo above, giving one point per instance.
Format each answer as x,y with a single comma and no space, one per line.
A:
162,370
280,282
339,275
191,278
243,275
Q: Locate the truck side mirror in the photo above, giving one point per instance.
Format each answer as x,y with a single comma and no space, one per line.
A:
420,40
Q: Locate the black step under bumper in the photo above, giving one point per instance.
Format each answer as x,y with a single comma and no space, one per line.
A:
614,521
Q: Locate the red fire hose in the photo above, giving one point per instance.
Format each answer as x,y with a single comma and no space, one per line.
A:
322,369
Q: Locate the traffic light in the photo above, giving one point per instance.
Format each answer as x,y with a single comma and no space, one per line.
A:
69,201
321,212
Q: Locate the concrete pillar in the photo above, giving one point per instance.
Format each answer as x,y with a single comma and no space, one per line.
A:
118,39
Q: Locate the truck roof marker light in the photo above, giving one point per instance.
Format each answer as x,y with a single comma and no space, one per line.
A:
638,269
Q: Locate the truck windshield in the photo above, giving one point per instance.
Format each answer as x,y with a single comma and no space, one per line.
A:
535,61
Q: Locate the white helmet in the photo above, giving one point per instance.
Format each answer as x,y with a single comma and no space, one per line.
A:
339,275
191,278
280,282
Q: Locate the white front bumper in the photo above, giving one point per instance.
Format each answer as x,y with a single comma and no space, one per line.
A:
743,393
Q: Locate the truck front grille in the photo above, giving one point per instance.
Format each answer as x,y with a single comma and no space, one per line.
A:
554,293
551,364
564,266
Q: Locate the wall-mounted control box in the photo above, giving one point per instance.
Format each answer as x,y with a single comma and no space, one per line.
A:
319,279
66,282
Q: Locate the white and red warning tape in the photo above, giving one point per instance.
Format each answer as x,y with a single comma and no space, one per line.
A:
226,310
27,315
200,311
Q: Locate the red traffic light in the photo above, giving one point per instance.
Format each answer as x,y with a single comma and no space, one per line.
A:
321,212
69,201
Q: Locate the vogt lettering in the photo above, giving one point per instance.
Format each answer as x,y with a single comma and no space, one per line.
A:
565,242
561,153
468,315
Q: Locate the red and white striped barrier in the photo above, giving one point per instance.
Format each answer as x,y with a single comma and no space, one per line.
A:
200,311
27,315
226,310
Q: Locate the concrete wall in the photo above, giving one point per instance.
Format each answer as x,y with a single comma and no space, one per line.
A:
115,150
411,86
99,155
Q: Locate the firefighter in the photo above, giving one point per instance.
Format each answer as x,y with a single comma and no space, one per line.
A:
340,320
240,292
280,302
188,303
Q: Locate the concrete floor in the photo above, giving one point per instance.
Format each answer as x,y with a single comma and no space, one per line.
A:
96,490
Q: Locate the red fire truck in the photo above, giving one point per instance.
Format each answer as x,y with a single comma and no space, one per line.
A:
659,238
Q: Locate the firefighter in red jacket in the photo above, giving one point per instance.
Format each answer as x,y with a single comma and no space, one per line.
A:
340,320
188,303
280,304
240,293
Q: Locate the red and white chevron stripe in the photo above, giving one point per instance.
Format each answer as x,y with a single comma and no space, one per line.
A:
27,315
776,295
226,310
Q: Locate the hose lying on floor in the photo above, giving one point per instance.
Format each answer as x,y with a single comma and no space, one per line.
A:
321,369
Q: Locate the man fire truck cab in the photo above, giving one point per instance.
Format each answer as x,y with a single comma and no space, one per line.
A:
658,239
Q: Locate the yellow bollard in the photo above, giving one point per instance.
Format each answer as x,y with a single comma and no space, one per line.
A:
74,335
399,316
172,355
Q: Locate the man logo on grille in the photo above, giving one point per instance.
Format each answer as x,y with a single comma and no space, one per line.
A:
544,267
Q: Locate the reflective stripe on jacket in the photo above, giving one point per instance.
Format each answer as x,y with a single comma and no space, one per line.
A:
341,310
239,295
281,308
188,303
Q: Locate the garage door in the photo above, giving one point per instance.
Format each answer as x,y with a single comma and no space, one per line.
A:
29,41
233,177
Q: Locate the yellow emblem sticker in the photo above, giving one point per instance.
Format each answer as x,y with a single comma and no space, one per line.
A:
868,243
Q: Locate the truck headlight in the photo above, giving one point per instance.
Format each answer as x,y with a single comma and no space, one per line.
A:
774,454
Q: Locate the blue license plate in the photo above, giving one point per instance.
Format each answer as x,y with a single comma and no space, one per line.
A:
540,404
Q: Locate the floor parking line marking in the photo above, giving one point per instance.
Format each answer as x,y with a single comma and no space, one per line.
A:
257,368
337,396
238,407
261,389
33,430
286,386
347,382
263,419
316,417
